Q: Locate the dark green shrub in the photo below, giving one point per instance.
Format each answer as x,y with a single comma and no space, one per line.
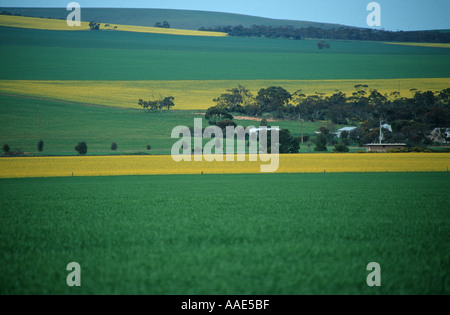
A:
421,149
40,146
6,148
81,147
320,143
341,148
394,151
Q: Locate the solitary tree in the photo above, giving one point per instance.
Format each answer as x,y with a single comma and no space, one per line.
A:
81,147
40,146
114,146
167,102
320,143
322,45
6,148
288,143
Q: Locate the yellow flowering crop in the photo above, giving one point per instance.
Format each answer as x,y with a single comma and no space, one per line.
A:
196,94
289,163
436,45
40,24
61,25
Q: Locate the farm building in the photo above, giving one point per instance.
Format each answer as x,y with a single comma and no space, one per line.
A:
387,126
257,130
348,129
440,135
383,147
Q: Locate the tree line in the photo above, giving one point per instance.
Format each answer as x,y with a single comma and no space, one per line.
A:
341,33
164,24
158,103
412,118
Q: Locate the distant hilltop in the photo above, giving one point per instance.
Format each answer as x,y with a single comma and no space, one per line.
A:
180,19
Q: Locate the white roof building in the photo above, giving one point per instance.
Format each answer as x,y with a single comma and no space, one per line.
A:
253,130
387,126
348,129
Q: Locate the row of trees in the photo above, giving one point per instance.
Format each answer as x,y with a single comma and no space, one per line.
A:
158,103
164,24
411,118
7,150
342,33
94,26
81,148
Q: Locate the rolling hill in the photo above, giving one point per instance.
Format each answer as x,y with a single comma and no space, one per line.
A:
182,19
44,55
117,68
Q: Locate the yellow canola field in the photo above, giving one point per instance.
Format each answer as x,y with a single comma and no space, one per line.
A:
435,45
61,25
169,31
197,94
17,167
40,24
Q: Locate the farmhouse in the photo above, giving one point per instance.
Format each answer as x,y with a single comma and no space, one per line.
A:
383,147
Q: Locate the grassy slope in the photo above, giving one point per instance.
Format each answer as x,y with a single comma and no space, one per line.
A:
183,19
63,125
87,55
61,25
187,235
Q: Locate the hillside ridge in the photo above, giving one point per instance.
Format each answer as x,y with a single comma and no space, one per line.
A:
181,19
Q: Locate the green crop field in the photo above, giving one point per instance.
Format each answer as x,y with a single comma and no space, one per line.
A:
63,125
306,234
85,55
